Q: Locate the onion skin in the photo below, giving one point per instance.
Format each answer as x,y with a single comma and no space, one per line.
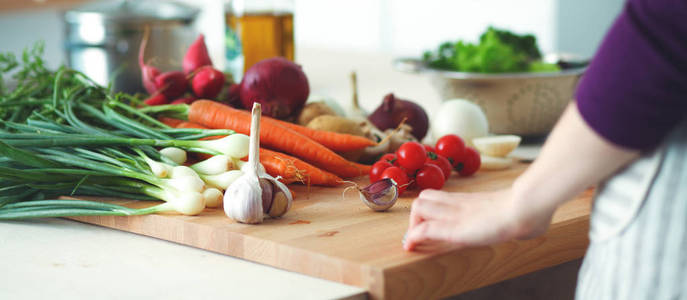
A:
394,110
278,84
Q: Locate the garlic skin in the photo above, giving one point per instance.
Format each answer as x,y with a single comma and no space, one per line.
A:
243,199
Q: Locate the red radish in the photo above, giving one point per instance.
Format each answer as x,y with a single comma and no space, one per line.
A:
184,100
156,99
172,84
148,73
207,82
196,56
278,84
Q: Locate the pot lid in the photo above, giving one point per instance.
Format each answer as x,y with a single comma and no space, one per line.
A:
132,11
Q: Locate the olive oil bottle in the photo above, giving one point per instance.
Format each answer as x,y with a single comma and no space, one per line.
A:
254,34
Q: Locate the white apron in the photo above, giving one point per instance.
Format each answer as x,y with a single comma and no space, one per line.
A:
638,233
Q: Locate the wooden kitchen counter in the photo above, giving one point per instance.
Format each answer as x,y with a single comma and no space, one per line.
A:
336,237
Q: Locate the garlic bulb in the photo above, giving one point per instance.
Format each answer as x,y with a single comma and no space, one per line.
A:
255,193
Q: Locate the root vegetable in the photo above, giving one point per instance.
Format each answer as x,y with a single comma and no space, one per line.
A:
278,84
156,99
172,84
394,110
207,82
196,56
313,110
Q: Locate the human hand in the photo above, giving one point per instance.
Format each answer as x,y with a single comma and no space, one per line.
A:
441,220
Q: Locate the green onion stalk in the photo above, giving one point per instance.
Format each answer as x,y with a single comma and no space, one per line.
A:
61,134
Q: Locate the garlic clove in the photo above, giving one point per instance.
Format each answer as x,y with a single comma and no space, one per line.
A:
267,194
380,195
280,205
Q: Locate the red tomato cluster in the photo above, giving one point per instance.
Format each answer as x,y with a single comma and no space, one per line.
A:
426,167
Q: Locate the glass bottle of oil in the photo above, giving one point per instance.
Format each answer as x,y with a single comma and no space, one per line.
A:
256,30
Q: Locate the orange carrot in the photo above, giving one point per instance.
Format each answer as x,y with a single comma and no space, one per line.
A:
291,169
171,122
338,142
216,115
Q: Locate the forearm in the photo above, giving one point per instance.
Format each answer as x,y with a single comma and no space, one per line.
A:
573,158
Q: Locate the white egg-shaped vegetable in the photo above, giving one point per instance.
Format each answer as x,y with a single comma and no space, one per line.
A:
495,163
497,145
213,197
175,154
462,118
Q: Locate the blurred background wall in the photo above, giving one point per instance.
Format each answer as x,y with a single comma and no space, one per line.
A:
397,27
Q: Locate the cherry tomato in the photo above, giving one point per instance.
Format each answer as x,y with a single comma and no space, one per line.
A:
430,177
429,148
377,169
452,147
391,158
399,176
411,155
469,163
441,162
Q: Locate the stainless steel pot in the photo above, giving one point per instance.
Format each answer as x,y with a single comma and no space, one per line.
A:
527,104
102,39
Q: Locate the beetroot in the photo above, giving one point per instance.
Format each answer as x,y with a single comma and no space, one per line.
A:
278,84
393,110
156,99
172,84
207,82
196,56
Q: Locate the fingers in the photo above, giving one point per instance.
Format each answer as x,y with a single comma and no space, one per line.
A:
429,236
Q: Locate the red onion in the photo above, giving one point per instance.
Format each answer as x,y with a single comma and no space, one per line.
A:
278,84
392,112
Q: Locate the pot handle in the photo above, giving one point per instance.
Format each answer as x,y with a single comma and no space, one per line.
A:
409,65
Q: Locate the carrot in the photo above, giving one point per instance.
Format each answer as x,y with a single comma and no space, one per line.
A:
216,115
338,142
291,169
171,122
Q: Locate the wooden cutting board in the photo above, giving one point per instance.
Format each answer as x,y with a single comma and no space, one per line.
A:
338,238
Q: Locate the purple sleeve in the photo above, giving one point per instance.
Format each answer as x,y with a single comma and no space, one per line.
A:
635,89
